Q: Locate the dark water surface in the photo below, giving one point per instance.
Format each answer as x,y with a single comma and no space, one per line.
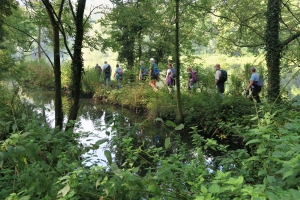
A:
95,122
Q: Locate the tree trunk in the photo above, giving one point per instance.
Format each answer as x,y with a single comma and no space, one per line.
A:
177,61
273,48
39,42
77,65
57,71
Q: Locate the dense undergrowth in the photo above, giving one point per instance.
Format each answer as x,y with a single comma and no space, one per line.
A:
227,148
38,162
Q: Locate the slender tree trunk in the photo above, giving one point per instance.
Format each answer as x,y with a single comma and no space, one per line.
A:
57,68
39,42
177,61
140,45
273,48
77,65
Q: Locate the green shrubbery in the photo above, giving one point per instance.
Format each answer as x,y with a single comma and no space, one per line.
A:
38,74
40,163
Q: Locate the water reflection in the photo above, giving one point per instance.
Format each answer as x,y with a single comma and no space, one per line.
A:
97,121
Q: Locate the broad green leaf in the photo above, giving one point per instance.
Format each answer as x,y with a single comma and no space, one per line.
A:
253,118
65,190
167,142
98,182
108,156
179,127
262,172
14,127
253,141
203,189
214,188
99,142
169,123
23,117
159,120
288,173
25,134
114,167
271,179
25,198
240,180
253,158
136,169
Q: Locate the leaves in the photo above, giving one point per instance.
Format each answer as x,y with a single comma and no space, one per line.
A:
179,127
167,143
108,156
64,191
288,173
253,141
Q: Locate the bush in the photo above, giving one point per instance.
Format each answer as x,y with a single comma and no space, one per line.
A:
38,74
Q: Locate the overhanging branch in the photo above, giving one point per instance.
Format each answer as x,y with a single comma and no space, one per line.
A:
16,28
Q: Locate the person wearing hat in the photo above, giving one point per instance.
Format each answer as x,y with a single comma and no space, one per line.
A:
153,77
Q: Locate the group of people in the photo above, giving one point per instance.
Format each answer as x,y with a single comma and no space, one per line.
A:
254,85
107,71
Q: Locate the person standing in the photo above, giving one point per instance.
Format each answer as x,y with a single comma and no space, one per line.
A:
143,72
118,75
170,77
153,76
193,78
107,73
255,85
220,84
98,69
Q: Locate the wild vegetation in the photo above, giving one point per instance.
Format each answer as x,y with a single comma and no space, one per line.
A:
210,147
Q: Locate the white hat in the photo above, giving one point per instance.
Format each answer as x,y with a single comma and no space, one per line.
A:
152,59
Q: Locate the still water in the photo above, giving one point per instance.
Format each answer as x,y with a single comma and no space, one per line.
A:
95,122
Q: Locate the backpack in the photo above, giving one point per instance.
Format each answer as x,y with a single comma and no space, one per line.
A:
195,77
120,71
223,76
155,71
259,83
144,71
107,69
173,74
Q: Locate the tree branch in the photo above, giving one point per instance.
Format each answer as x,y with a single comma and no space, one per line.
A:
290,39
61,9
238,23
59,25
90,15
32,39
72,10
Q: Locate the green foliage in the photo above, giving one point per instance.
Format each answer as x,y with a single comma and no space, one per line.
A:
38,74
38,162
7,65
6,9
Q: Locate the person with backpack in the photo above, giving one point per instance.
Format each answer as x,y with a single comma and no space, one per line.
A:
170,77
193,78
98,69
154,74
220,79
118,75
143,72
255,85
107,73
